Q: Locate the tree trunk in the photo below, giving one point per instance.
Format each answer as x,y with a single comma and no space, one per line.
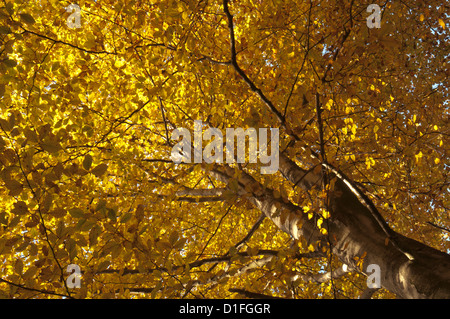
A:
356,232
408,268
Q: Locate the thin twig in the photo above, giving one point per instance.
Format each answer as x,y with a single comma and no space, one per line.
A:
43,291
238,69
437,226
252,295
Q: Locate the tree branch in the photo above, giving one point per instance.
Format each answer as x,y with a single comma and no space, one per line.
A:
201,192
67,43
283,213
203,199
194,264
43,291
322,277
251,232
252,295
238,69
368,292
437,226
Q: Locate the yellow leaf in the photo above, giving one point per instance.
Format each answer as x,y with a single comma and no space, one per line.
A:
252,251
51,146
87,162
173,237
442,23
421,18
18,266
76,213
14,187
99,170
5,30
28,19
94,233
418,156
30,272
319,222
31,135
370,162
126,217
103,265
436,161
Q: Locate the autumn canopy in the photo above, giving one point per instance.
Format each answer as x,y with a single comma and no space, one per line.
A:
91,92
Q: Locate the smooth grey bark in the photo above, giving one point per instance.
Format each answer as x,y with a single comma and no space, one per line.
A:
357,232
354,232
409,268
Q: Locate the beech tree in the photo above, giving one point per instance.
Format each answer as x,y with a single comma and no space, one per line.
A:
91,93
